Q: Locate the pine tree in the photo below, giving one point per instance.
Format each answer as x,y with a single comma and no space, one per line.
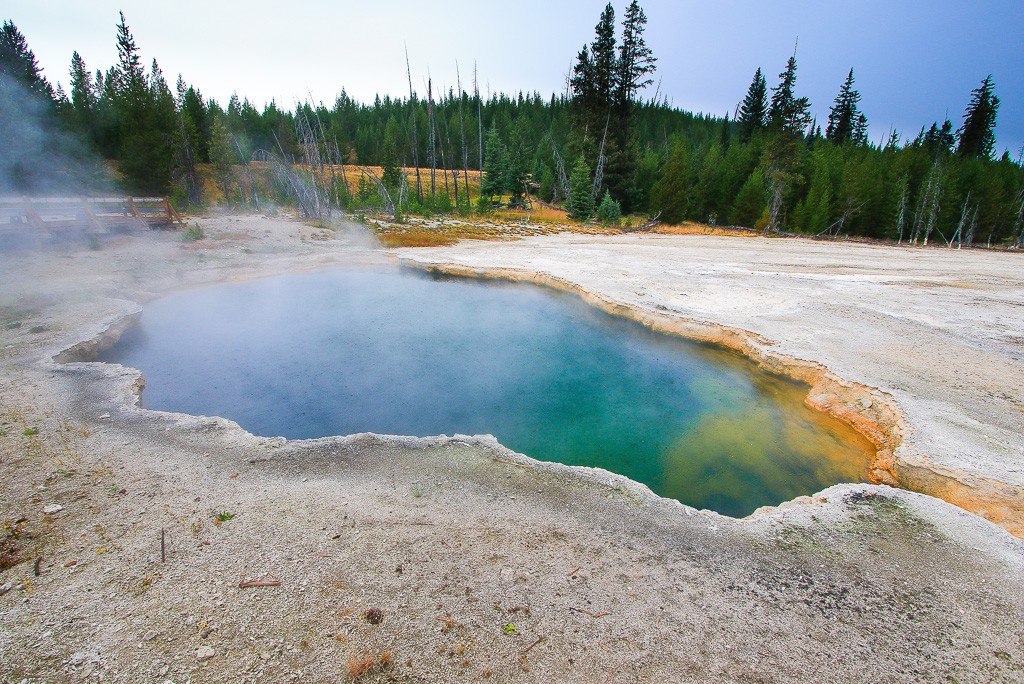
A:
17,61
82,96
754,110
581,201
581,83
604,71
608,211
788,113
515,168
494,175
636,60
845,122
130,84
195,109
146,123
750,202
670,194
977,134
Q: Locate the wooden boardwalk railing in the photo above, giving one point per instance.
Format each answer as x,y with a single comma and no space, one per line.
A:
58,216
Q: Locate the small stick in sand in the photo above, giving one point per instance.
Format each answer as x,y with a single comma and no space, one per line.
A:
573,572
521,465
539,639
163,547
258,583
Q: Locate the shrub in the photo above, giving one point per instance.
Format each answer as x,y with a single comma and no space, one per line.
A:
194,232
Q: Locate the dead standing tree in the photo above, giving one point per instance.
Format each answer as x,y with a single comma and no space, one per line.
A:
415,140
901,210
777,186
479,121
1017,239
927,203
462,133
431,151
293,184
312,162
248,173
390,207
185,162
563,180
599,173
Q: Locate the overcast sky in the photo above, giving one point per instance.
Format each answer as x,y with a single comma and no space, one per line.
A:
914,60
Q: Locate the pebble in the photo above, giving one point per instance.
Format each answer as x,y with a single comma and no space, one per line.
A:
205,653
52,508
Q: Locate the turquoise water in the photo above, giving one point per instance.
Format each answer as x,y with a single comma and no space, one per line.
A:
392,352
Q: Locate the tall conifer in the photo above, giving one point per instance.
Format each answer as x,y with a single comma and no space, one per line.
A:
754,110
788,113
636,60
845,122
19,62
977,134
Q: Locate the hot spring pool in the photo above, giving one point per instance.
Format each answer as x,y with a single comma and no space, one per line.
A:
397,352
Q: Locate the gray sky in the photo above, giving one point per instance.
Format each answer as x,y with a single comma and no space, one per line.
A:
914,60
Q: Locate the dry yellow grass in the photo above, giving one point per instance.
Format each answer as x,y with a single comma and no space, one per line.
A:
693,228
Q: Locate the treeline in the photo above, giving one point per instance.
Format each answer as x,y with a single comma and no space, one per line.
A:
598,146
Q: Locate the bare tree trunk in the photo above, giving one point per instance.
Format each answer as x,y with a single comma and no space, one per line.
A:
462,133
599,172
415,141
479,123
248,173
344,176
444,163
1017,239
933,214
958,235
923,201
777,188
187,164
560,168
974,226
902,210
430,140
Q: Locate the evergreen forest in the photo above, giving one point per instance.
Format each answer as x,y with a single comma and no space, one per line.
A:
599,150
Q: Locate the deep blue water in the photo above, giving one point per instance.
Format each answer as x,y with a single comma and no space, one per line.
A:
391,352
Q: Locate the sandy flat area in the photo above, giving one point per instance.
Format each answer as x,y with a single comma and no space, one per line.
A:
161,547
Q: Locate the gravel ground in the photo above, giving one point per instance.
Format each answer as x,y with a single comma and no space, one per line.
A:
187,550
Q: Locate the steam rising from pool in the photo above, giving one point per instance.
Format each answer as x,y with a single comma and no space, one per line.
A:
351,351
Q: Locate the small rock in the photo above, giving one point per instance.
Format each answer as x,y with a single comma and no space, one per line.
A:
104,415
205,653
37,329
265,655
52,508
6,588
150,635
